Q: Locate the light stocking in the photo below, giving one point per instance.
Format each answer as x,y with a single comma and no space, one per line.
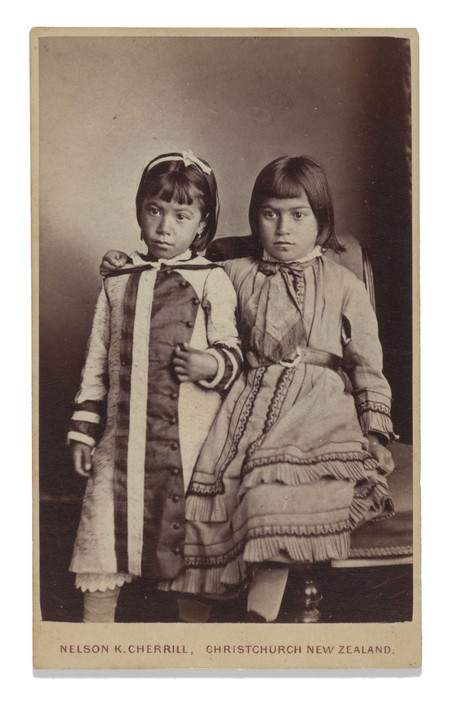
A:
100,606
266,592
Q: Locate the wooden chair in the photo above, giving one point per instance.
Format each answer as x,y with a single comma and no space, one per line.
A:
378,549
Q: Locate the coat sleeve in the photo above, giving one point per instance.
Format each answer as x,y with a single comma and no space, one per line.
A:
90,402
363,363
220,304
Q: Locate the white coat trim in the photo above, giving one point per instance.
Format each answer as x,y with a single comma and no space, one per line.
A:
138,420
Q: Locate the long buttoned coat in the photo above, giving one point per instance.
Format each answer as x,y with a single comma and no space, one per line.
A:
133,515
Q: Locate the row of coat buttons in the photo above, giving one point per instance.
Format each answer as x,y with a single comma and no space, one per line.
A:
176,524
182,284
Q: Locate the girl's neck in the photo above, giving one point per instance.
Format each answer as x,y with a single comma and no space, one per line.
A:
185,256
314,253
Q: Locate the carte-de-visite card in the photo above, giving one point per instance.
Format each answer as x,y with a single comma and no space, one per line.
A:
239,392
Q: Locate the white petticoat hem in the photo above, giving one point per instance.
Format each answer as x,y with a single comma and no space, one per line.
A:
101,582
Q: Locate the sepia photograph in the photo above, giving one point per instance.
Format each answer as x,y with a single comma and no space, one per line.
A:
225,279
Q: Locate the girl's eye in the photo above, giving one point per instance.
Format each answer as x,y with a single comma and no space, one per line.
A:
298,215
154,211
268,213
182,217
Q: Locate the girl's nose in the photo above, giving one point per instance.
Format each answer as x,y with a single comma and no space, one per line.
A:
164,225
282,225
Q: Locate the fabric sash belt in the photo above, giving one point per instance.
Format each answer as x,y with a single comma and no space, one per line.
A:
305,355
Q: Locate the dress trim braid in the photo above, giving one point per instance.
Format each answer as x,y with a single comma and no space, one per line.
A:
278,398
207,489
217,487
273,412
357,456
378,407
278,531
243,418
381,552
291,530
299,287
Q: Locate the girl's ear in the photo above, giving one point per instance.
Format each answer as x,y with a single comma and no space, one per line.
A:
321,238
197,243
202,225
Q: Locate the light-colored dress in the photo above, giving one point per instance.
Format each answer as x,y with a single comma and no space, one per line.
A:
133,514
285,474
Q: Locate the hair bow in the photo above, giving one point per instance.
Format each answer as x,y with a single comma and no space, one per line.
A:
188,158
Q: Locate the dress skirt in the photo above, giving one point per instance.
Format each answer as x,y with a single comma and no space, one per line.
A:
284,476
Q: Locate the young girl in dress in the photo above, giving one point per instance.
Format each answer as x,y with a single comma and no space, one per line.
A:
163,347
293,462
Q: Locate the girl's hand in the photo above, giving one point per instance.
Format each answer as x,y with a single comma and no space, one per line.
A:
82,458
193,365
111,261
381,454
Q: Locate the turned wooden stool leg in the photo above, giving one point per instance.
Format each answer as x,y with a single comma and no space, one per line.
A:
304,594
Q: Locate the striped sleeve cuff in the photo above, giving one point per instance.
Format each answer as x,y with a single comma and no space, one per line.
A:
81,437
86,422
88,416
235,362
229,360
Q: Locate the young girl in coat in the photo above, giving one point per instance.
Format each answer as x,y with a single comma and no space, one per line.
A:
293,462
163,348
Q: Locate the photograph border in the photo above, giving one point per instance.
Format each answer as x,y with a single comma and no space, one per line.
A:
404,639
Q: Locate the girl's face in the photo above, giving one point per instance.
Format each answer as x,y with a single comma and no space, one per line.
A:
287,228
169,228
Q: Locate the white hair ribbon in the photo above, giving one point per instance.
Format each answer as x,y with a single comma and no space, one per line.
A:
188,158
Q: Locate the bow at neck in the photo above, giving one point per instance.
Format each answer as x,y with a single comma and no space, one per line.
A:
272,318
269,266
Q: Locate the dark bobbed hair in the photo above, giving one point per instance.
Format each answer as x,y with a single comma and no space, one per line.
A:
285,178
172,179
